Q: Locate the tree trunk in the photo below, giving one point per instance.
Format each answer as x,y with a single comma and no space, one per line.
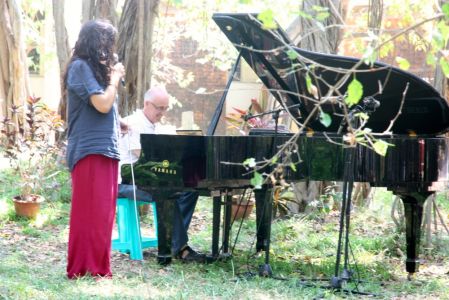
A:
134,48
99,9
440,81
14,81
62,49
313,37
307,35
363,189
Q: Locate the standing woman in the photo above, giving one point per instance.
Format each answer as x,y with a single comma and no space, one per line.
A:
90,82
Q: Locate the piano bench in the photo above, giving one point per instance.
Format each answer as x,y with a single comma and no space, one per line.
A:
130,239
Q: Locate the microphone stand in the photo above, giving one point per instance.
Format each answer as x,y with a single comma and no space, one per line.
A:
339,280
265,269
276,113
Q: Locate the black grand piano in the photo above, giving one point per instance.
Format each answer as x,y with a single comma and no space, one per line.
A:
412,166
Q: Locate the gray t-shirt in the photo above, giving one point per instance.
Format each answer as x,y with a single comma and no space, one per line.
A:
89,131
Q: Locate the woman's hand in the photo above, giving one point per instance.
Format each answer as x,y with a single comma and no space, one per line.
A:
104,102
117,73
124,127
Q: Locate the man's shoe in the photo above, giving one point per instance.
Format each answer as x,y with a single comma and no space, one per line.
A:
187,254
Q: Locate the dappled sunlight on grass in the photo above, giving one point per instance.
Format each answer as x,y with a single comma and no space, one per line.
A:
115,288
4,207
40,220
33,260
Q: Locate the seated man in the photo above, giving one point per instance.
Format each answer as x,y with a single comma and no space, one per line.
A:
146,121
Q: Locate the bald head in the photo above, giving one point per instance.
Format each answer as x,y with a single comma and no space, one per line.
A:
155,103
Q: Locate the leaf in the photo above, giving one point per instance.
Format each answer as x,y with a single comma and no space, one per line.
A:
250,162
267,19
381,147
321,16
403,63
308,82
293,167
443,29
445,9
257,180
311,88
362,116
292,54
430,59
355,92
444,66
325,119
305,15
274,160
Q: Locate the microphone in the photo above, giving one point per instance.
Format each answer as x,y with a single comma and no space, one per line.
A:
116,60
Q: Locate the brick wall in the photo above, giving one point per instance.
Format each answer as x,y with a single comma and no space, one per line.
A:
205,76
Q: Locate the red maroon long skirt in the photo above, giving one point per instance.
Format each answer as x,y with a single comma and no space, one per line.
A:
94,196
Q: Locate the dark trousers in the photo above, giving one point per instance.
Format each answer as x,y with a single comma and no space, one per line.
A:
182,217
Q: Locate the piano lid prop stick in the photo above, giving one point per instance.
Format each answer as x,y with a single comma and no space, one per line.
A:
219,109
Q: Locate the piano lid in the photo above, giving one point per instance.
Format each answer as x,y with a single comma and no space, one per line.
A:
424,110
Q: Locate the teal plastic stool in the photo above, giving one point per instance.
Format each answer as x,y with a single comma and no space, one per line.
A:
129,238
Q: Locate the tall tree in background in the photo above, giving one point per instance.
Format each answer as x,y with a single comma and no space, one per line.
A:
440,80
14,80
318,28
362,190
99,9
326,14
91,9
62,49
134,48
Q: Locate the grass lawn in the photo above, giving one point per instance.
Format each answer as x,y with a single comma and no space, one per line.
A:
33,259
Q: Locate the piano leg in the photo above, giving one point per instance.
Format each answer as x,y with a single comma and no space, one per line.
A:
263,218
227,223
216,225
264,210
165,205
413,209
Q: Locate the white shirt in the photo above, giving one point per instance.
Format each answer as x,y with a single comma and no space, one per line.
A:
137,124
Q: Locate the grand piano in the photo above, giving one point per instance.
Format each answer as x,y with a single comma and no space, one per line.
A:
415,163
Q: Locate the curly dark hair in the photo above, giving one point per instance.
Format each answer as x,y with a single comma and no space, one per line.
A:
96,42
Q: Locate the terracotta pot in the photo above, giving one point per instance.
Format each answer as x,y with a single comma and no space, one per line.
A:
242,210
28,206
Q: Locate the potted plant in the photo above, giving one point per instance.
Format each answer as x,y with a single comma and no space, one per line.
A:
241,206
30,146
236,120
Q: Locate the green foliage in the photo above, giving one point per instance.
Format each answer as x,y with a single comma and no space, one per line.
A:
292,54
30,146
403,63
309,83
355,92
293,167
318,13
267,19
257,180
34,15
325,119
381,147
321,13
445,9
444,64
301,248
250,162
